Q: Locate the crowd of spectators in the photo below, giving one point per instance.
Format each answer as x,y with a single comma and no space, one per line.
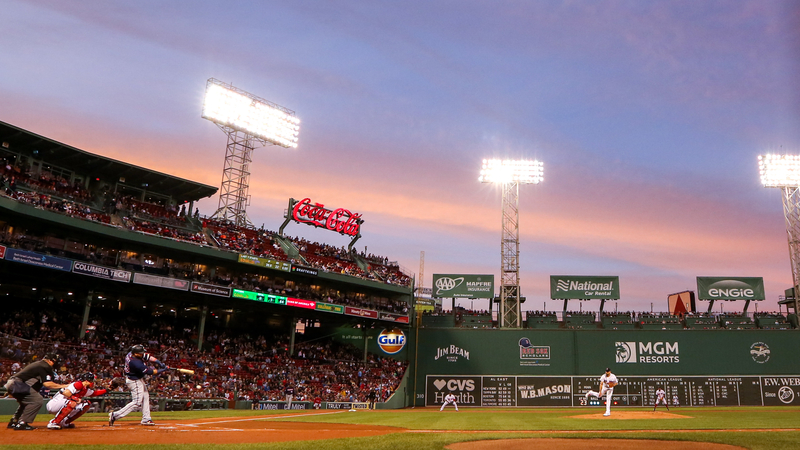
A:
163,230
47,191
15,176
231,366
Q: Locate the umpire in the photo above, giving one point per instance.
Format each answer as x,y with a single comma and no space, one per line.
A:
24,386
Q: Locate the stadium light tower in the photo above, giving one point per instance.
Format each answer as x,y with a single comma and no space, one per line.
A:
509,174
783,171
247,120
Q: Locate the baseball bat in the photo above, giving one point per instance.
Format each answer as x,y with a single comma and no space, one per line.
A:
186,371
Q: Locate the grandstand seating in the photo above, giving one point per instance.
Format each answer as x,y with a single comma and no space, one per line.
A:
542,320
701,322
256,368
579,320
736,322
769,321
445,320
473,319
618,321
659,321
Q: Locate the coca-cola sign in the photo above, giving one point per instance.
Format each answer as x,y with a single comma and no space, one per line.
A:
339,220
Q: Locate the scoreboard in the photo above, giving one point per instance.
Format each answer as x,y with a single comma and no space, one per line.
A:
523,391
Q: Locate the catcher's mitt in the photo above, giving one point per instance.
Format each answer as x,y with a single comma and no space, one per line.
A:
117,382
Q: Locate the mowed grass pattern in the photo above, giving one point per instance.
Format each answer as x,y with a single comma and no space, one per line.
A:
719,425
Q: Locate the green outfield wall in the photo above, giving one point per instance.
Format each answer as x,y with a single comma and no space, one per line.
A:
502,365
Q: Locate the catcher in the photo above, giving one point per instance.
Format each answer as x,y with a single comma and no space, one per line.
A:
69,403
607,382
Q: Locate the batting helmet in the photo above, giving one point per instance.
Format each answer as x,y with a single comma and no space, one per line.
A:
88,376
137,349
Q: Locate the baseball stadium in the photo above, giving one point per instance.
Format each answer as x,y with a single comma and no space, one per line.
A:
210,331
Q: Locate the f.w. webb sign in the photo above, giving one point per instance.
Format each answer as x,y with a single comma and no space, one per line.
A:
580,287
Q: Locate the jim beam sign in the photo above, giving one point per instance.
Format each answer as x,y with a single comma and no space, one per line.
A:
583,287
340,220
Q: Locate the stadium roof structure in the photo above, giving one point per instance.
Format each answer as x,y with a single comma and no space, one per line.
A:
18,140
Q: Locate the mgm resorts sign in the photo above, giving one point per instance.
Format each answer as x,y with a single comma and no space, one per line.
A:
580,287
730,288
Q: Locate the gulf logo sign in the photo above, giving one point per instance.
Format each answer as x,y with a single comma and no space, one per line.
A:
392,341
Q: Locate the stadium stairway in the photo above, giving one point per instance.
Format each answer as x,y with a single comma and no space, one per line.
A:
289,248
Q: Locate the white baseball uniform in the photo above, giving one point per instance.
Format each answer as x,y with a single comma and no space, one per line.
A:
449,399
606,391
661,397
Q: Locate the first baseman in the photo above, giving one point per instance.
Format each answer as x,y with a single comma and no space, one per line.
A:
449,399
135,370
69,403
661,397
607,382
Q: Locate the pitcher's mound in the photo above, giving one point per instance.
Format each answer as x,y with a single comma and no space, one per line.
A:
584,444
625,415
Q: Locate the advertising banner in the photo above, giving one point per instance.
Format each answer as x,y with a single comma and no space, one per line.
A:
328,307
347,405
305,270
340,220
2,251
463,286
37,259
211,289
270,405
106,273
393,317
298,303
162,282
361,312
265,262
584,287
730,288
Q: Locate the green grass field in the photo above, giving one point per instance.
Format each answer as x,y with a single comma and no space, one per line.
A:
754,428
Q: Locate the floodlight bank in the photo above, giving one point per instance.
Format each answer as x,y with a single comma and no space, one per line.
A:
507,171
248,114
779,170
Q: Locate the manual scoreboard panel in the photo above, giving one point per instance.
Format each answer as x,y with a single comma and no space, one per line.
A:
525,391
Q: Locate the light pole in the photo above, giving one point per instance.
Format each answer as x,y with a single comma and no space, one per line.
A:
248,121
509,174
783,171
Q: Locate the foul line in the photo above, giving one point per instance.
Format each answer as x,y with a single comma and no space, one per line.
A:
606,431
250,419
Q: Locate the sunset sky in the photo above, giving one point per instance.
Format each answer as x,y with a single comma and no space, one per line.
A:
648,116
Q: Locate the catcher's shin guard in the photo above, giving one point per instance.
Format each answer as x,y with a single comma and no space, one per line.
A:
79,410
62,413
